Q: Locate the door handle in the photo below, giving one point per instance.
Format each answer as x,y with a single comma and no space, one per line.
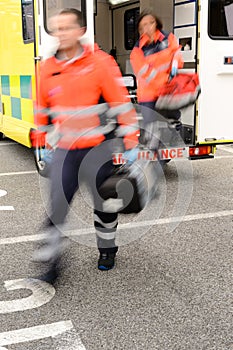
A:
38,58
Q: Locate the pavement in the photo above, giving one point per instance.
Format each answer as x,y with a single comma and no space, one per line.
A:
171,288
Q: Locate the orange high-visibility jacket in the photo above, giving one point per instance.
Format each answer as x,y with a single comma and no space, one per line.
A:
66,96
152,63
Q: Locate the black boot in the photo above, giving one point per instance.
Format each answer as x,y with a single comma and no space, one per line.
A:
107,258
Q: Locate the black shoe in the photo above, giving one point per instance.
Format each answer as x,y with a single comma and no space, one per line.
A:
106,260
51,275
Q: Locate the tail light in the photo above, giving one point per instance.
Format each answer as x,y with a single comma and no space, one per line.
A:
200,151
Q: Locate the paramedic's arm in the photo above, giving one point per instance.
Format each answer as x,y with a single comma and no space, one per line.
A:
138,62
116,94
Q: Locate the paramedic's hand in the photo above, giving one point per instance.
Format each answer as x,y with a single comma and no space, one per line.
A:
174,72
131,155
46,154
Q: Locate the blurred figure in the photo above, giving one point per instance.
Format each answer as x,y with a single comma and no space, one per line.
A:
71,85
155,59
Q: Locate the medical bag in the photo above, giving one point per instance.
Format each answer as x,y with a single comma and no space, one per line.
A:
179,92
130,188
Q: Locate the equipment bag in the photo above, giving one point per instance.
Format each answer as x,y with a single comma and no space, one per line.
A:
130,188
181,91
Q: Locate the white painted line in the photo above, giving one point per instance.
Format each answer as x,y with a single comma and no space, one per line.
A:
6,207
186,218
22,239
227,149
39,332
8,144
42,293
162,221
69,340
19,173
222,157
34,333
3,193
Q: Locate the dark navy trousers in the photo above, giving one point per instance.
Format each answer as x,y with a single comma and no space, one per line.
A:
68,169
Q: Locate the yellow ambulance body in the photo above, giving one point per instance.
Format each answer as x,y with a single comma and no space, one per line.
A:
17,71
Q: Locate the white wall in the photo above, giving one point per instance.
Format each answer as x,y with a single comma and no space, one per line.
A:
163,9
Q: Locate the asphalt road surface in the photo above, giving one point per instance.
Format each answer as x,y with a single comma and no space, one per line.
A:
171,288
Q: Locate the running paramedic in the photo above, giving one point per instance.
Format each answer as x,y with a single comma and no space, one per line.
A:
71,84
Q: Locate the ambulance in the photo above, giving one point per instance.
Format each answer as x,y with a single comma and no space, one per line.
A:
204,29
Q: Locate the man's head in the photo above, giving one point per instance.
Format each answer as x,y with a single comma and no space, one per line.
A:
68,28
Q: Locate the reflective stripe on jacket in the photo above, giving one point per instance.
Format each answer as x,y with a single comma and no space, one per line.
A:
85,126
68,97
152,63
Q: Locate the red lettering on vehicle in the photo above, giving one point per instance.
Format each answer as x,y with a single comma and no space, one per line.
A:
180,152
172,153
117,158
164,153
155,156
114,158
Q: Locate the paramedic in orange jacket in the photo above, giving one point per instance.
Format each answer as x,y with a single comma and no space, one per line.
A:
154,59
71,84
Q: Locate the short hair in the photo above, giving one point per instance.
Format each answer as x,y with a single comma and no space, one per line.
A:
148,12
77,13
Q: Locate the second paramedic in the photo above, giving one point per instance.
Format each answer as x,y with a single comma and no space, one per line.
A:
155,59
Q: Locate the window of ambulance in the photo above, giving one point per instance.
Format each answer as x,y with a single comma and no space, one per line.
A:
27,20
220,24
130,24
52,7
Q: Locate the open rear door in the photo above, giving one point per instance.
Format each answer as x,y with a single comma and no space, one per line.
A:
215,113
47,44
185,29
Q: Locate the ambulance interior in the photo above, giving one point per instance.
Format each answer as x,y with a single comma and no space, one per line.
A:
204,30
116,32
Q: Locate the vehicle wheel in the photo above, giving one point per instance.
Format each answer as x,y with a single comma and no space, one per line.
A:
42,166
1,136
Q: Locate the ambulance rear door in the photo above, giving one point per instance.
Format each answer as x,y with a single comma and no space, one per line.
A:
215,107
186,31
47,44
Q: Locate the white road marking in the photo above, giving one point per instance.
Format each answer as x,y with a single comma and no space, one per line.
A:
222,157
8,144
226,149
19,173
162,221
6,207
165,221
40,332
3,193
69,340
22,239
42,293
